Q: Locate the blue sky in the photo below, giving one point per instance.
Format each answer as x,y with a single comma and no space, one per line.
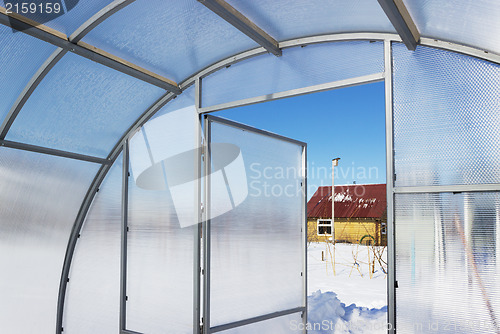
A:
348,123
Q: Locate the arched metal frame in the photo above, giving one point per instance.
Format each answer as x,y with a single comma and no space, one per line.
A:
197,77
387,38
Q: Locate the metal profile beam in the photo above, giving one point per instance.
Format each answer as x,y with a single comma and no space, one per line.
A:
343,37
448,189
463,49
207,171
389,149
85,50
369,36
126,331
304,237
255,319
124,231
197,236
400,18
228,122
50,151
296,92
243,24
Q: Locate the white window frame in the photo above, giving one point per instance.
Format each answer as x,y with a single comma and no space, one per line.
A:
325,223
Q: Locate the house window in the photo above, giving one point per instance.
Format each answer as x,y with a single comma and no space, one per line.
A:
325,227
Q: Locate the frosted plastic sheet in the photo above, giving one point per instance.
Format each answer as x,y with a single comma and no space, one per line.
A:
256,248
287,19
83,107
171,38
447,252
473,23
446,119
186,99
21,56
163,225
286,324
165,156
40,196
74,13
297,68
93,292
160,265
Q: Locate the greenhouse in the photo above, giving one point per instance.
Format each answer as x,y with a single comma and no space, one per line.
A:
124,202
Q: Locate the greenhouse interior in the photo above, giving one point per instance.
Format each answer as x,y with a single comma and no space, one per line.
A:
124,199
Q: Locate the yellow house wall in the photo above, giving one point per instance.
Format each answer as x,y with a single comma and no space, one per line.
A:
348,230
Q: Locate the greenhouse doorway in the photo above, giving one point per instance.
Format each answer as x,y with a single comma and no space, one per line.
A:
347,269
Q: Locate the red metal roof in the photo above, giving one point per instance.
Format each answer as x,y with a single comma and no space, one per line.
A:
351,201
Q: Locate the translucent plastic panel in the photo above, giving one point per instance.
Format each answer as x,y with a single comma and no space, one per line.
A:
160,265
40,198
446,119
292,323
297,68
256,245
186,99
171,38
448,262
73,13
162,225
82,106
93,292
21,56
287,19
473,23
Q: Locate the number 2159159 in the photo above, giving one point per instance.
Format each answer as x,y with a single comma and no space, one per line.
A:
33,8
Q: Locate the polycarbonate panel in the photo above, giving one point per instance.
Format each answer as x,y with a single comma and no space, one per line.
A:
21,56
40,198
298,67
446,119
256,240
171,38
163,224
93,292
292,323
83,107
186,99
66,16
288,19
473,23
448,262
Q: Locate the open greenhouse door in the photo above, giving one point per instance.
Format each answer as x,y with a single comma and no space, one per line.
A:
254,230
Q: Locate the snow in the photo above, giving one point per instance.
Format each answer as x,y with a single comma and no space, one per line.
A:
341,197
349,299
328,315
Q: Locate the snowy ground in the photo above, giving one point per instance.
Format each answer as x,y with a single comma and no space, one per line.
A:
347,300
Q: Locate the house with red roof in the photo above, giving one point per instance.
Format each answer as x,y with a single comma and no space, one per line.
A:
360,214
